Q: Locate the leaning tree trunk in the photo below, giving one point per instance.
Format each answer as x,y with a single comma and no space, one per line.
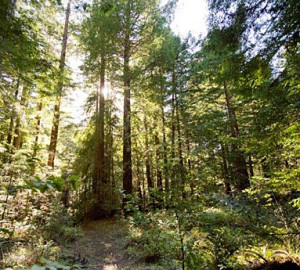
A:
56,116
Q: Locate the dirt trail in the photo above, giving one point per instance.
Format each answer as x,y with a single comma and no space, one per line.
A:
104,246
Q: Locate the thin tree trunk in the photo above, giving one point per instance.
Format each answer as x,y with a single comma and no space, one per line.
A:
7,156
163,118
189,162
158,158
148,158
100,168
113,182
37,130
18,135
12,116
108,149
173,180
56,116
139,182
166,170
95,180
180,153
251,166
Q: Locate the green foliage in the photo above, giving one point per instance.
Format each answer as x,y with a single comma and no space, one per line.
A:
216,230
49,265
60,226
51,183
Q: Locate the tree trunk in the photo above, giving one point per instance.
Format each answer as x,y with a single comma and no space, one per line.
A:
189,162
148,158
7,155
241,173
173,174
56,116
100,168
127,161
18,131
139,183
166,170
163,118
37,130
225,170
12,116
180,153
158,158
251,166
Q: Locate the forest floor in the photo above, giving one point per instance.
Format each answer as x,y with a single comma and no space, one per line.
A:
104,244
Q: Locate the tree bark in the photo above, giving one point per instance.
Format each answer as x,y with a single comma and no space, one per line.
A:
100,170
164,140
180,152
12,116
56,116
7,155
173,174
127,161
148,158
241,173
18,131
37,130
251,166
225,170
159,183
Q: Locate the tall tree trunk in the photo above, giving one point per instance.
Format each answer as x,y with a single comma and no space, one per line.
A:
100,177
6,156
95,180
12,116
100,168
164,140
56,116
180,153
251,166
148,158
18,131
166,169
37,130
139,183
173,129
159,183
109,144
127,161
189,162
241,173
225,170
113,182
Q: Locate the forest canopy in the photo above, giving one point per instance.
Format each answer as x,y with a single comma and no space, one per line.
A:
119,136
